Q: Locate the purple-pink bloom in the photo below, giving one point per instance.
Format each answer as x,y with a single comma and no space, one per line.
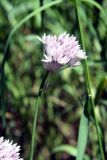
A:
61,50
8,150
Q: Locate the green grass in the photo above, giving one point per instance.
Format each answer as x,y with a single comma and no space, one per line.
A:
71,116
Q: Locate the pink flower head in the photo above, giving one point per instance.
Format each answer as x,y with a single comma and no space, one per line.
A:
8,150
61,50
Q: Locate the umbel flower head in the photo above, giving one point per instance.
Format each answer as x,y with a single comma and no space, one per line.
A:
8,150
61,50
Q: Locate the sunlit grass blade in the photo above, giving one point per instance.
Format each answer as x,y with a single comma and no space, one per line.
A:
70,150
66,148
83,131
83,136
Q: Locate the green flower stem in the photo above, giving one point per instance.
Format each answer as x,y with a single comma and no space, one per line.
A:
2,101
36,114
35,12
87,81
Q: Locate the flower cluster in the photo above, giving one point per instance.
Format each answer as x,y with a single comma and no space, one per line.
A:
61,50
8,150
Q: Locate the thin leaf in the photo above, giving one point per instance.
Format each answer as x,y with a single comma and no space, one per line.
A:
94,3
83,135
98,6
66,148
83,131
71,150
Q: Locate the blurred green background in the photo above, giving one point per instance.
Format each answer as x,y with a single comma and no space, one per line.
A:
64,95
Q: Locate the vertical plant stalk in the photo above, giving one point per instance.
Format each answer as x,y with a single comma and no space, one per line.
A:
2,100
87,81
42,15
34,130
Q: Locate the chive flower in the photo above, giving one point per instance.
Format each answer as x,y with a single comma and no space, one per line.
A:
8,150
61,50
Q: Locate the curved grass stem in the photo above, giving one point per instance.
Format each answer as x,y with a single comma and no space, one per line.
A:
87,81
